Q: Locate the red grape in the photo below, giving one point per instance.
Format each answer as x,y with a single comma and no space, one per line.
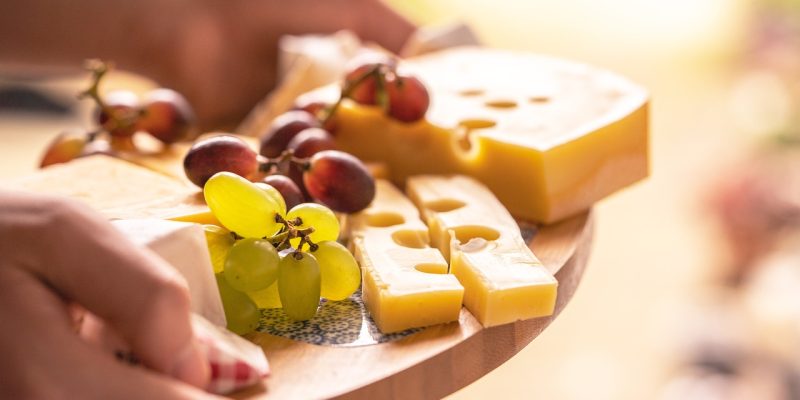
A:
65,147
296,175
339,181
167,115
217,154
317,109
311,141
283,129
124,104
366,91
313,107
408,98
288,189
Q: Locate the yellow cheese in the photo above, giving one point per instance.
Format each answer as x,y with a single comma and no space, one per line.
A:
405,283
503,281
199,217
549,137
118,189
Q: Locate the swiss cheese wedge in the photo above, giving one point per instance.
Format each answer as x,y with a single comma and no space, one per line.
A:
405,282
548,137
503,281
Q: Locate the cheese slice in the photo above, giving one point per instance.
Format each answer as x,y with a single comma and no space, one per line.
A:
549,137
182,245
118,189
405,282
503,281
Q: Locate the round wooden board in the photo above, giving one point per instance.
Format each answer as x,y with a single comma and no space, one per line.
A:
432,363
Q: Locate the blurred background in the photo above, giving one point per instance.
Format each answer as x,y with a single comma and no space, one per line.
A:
693,287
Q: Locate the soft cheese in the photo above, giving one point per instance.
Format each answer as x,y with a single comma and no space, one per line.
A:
503,281
549,137
118,189
405,282
182,245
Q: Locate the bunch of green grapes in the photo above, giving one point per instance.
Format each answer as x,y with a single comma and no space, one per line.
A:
266,256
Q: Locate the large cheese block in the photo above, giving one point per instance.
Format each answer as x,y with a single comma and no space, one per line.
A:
548,137
405,282
118,189
182,245
503,281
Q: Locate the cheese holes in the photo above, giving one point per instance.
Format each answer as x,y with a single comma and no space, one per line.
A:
539,99
467,126
476,123
467,233
472,92
412,239
384,219
431,268
444,205
506,104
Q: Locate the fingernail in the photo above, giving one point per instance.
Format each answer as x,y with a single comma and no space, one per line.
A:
192,366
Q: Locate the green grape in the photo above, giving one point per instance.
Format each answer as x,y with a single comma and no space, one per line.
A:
338,270
241,206
299,285
275,194
267,298
241,313
219,240
324,221
252,264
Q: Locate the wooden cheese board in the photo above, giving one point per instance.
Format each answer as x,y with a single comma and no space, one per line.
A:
431,363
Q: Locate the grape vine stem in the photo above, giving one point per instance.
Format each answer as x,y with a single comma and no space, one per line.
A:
279,164
379,72
120,120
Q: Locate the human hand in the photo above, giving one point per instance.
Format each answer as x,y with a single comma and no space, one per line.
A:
225,52
56,254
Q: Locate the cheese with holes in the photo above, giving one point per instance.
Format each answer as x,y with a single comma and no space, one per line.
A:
182,245
503,281
118,189
405,282
548,137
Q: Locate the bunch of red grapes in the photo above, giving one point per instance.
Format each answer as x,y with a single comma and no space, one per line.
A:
375,81
307,167
298,151
163,113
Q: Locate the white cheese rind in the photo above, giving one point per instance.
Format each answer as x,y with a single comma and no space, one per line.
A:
182,245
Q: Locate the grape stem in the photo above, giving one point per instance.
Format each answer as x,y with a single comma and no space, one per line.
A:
379,71
279,164
119,119
306,240
290,231
98,69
